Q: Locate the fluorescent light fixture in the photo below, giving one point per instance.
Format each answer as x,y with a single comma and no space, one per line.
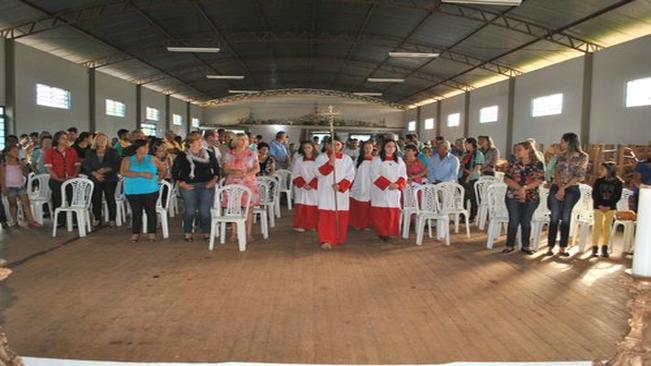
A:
236,91
486,2
225,77
194,49
385,80
368,94
414,54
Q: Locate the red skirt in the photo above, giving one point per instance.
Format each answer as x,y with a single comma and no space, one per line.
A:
360,214
328,227
386,220
306,217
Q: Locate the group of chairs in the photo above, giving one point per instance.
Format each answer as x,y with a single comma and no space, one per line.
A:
490,194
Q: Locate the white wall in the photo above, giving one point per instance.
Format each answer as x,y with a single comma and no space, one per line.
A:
455,104
495,94
109,87
427,111
153,99
611,121
2,71
32,67
179,107
566,78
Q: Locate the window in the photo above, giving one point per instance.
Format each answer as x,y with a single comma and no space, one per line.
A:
638,92
115,108
360,138
196,122
429,123
153,114
488,114
236,131
411,126
149,129
547,106
454,119
2,128
177,119
49,96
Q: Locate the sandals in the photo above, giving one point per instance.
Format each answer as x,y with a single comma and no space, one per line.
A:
151,237
134,238
527,251
188,238
507,250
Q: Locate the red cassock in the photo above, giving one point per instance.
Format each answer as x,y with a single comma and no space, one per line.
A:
386,203
360,198
333,218
305,194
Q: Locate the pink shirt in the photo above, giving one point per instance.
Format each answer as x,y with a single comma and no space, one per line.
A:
14,176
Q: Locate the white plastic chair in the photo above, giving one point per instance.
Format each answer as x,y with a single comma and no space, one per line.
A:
480,187
264,211
629,225
497,212
286,186
38,189
120,205
540,218
409,208
174,201
270,200
164,195
232,195
499,176
428,208
582,216
451,195
82,192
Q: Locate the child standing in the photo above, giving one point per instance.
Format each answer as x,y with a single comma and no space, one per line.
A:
606,191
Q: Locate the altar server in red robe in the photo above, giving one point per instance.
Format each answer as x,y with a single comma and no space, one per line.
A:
389,176
305,188
333,220
360,196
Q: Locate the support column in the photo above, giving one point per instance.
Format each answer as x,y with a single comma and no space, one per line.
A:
10,86
188,118
466,114
139,118
168,115
419,125
509,116
438,117
92,118
586,104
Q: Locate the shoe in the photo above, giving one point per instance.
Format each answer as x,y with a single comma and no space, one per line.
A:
527,251
384,238
188,238
326,246
508,250
604,251
112,224
151,237
595,251
5,225
34,225
96,223
564,253
549,253
299,229
134,238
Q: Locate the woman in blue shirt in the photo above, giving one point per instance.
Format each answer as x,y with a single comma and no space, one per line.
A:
141,172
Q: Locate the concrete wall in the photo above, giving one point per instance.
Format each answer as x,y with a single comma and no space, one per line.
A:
612,122
495,94
450,106
32,67
566,78
108,87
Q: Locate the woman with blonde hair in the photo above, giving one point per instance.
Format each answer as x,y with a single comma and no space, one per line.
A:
523,177
240,167
101,164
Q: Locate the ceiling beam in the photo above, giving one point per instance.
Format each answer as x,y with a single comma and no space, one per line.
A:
62,21
527,44
300,91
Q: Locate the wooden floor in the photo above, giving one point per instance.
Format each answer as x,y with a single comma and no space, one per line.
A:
284,300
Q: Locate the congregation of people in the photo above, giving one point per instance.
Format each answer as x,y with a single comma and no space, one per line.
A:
337,184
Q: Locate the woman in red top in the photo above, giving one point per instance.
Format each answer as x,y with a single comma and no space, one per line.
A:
62,163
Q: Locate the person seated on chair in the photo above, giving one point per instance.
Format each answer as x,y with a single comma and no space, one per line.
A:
523,177
606,192
197,172
267,162
13,173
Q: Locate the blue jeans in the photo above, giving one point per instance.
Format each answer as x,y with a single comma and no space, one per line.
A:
520,214
561,211
196,200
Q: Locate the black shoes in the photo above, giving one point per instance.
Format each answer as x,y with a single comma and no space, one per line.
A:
604,251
